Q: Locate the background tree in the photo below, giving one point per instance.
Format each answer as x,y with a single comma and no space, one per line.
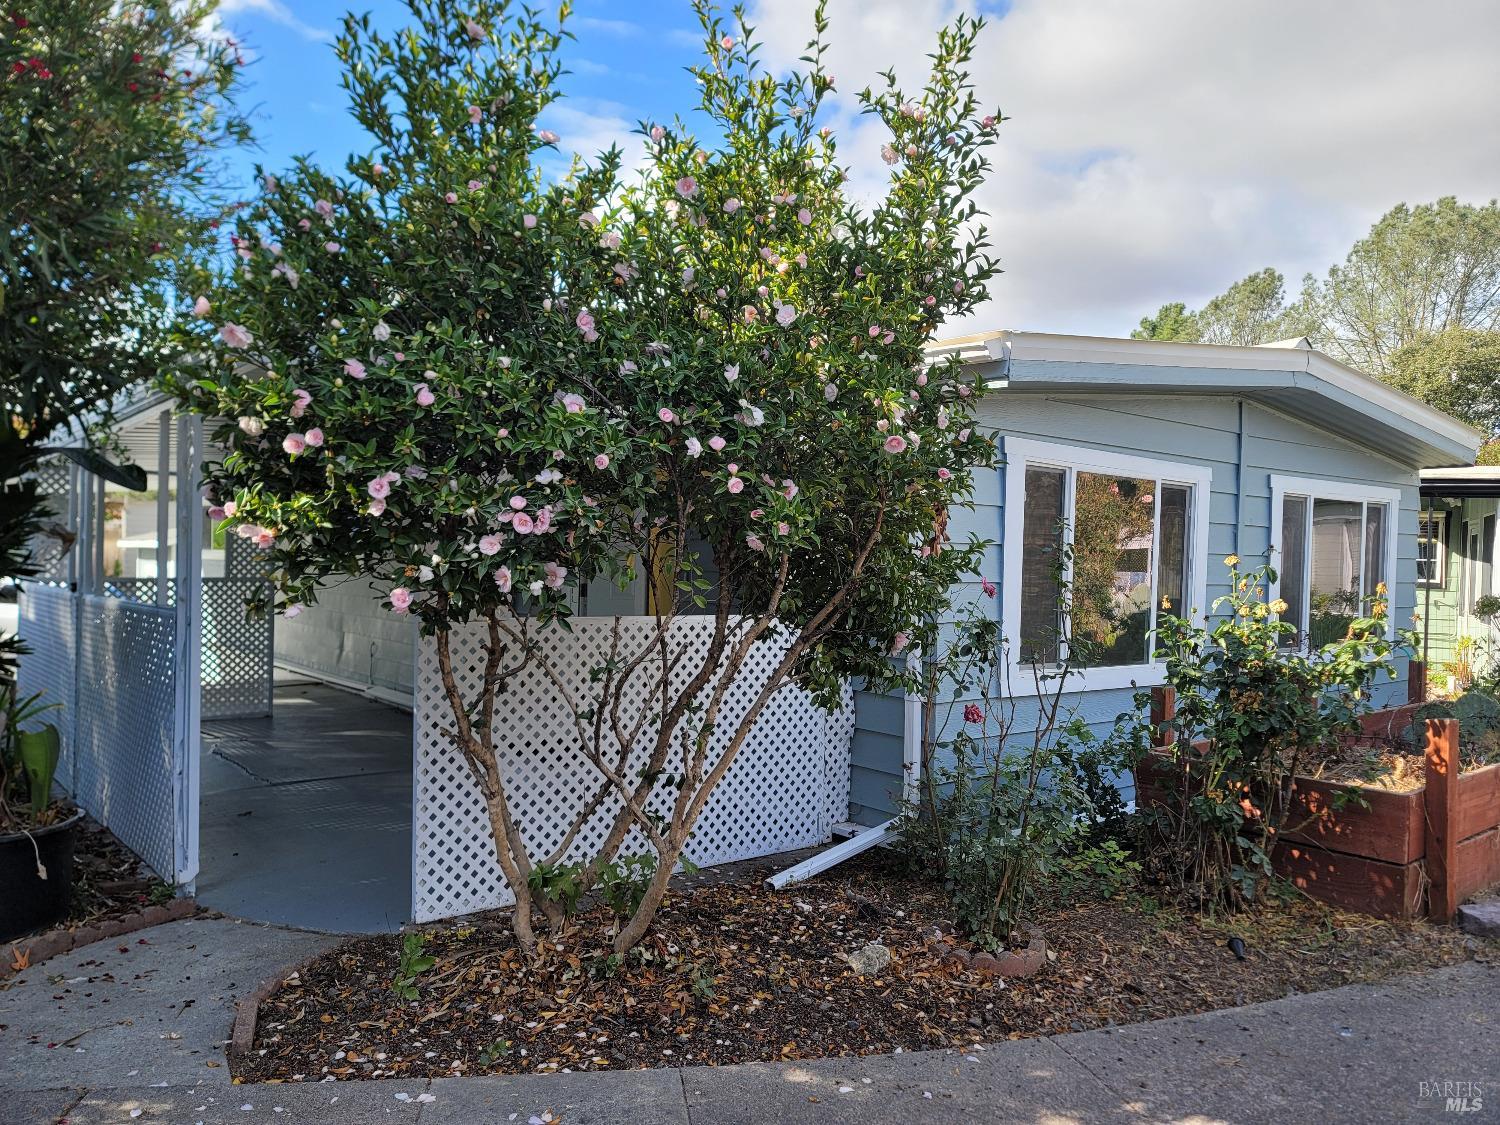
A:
481,389
1456,370
1249,312
1171,322
110,116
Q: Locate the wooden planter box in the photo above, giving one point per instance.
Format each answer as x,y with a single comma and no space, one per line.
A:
1396,854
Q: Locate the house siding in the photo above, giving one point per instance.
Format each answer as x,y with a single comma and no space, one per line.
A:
1240,443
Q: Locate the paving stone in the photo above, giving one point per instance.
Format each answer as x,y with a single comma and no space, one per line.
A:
1480,918
620,1097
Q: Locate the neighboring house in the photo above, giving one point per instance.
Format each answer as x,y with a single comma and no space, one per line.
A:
1456,569
1161,459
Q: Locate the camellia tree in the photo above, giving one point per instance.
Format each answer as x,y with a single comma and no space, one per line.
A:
480,387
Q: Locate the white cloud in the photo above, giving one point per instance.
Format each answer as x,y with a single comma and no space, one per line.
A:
278,12
1161,149
588,126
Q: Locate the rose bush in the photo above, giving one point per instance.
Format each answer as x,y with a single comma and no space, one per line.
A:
481,388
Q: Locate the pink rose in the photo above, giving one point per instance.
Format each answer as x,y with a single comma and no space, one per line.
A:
972,713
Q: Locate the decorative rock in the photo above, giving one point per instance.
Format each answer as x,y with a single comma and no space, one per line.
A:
1028,962
1481,919
869,960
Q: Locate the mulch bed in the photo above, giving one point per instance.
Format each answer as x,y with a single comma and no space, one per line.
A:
109,880
739,973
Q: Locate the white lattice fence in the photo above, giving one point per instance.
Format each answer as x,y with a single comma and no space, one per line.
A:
48,551
123,729
787,787
46,625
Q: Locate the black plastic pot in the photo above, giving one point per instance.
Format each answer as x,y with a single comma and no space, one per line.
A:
27,902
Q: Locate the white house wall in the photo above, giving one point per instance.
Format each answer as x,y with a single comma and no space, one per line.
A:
351,638
1201,431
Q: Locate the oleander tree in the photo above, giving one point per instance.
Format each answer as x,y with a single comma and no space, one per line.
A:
482,387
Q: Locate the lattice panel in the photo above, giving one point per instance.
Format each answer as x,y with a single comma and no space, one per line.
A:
46,625
124,724
49,552
236,667
786,789
236,670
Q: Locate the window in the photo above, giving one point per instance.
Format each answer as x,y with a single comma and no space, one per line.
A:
1336,545
1099,545
1432,550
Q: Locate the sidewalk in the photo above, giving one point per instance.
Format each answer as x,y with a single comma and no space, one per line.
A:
143,1031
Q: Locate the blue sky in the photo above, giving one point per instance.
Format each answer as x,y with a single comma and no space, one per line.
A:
627,62
1157,150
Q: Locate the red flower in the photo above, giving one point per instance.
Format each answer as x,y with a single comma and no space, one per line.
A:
18,68
972,713
135,56
20,20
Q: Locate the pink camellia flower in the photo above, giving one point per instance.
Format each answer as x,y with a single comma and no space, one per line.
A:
251,426
888,338
216,513
804,217
300,401
785,315
293,444
657,132
666,415
201,307
324,208
313,437
731,205
944,474
354,369
555,575
972,713
754,542
898,643
895,444
502,579
601,460
988,587
736,485
716,443
889,155
694,447
304,224
230,508
588,219
264,538
988,121
291,609
547,136
489,545
332,247
874,331
522,523
921,378
585,322
732,467
750,314
610,240
378,488
687,187
756,513
573,403
788,489
518,502
475,185
528,221
400,599
963,435
450,197
475,31
543,522
376,508
425,397
727,42
476,115
235,335
783,528
378,169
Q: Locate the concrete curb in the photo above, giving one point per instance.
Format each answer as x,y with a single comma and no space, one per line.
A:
247,1008
54,942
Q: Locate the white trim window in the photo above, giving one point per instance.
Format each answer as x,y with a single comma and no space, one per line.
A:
1335,543
1432,550
1098,545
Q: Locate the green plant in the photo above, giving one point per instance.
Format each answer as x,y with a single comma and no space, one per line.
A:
413,962
1251,709
1104,869
703,984
496,1051
28,759
558,883
1009,780
623,882
724,346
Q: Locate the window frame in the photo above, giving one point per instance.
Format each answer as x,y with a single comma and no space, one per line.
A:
1314,489
1023,453
1440,555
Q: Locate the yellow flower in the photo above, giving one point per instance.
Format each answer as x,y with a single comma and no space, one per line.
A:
1231,560
1166,602
1380,588
1279,606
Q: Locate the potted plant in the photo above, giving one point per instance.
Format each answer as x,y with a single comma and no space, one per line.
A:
36,832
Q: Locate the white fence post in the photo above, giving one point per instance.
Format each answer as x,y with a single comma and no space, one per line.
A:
189,582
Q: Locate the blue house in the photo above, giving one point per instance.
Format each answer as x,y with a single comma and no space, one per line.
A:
1159,459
